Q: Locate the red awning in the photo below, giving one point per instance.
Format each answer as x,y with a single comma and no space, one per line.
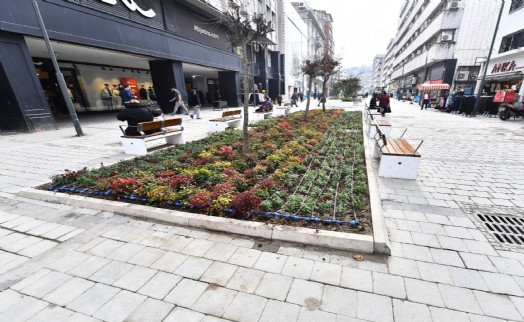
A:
430,87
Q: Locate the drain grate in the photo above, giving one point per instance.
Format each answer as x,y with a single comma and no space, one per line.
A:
506,229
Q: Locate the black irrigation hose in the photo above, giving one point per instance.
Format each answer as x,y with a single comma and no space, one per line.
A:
302,179
352,181
329,177
312,182
336,195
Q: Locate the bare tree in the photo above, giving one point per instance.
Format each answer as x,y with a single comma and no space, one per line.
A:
243,31
311,68
328,67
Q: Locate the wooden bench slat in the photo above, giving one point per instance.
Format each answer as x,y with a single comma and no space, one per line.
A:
231,113
383,122
399,147
157,125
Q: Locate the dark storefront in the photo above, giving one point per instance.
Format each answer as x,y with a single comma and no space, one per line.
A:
157,43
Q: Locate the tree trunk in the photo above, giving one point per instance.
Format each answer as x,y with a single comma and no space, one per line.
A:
247,89
324,82
309,84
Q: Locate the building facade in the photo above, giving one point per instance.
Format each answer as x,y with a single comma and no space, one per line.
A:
504,70
319,26
434,43
155,44
293,42
376,79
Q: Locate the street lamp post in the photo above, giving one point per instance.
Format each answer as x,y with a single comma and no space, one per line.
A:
483,79
59,76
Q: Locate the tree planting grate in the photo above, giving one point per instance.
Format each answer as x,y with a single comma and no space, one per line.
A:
506,229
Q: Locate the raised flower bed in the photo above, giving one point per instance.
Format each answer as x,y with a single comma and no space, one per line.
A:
300,173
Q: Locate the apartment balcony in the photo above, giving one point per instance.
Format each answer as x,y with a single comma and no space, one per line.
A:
438,52
449,19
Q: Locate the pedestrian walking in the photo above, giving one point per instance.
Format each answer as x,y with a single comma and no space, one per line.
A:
177,98
279,100
294,99
194,102
425,101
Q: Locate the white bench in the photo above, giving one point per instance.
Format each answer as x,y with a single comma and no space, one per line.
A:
281,111
170,130
228,119
384,125
266,113
398,158
370,116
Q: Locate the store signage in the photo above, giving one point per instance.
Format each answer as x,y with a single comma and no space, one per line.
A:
504,67
208,33
131,5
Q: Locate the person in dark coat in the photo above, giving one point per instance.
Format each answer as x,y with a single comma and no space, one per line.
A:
279,100
134,113
143,93
294,99
194,101
373,101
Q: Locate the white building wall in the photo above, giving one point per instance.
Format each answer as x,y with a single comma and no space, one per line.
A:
509,24
475,34
474,24
295,49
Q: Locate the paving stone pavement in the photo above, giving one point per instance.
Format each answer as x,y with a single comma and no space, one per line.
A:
63,263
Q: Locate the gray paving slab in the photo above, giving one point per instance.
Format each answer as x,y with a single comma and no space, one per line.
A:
496,305
245,307
315,315
160,285
305,293
215,300
339,300
247,280
219,273
120,306
135,278
193,267
439,254
299,267
269,262
186,293
374,307
409,311
444,315
68,292
390,285
183,314
150,310
274,286
357,279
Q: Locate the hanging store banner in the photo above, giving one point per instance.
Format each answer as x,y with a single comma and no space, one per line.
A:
133,86
146,12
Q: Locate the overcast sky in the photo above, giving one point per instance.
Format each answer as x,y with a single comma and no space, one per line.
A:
362,29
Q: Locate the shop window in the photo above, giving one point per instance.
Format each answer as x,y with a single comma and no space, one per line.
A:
516,4
511,42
